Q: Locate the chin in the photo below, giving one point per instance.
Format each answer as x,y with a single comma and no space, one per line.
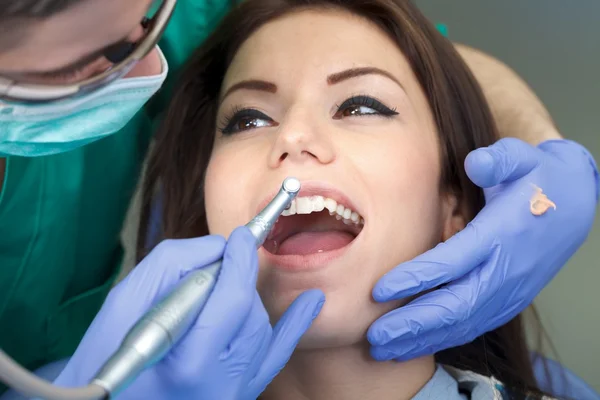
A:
343,321
334,329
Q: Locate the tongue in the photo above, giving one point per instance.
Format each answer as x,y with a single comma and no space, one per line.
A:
304,243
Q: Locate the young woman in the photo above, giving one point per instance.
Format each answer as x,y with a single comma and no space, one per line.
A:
375,112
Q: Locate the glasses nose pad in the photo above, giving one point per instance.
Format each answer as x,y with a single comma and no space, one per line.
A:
146,22
119,52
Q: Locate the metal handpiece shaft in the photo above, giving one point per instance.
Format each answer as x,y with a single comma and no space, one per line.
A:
160,329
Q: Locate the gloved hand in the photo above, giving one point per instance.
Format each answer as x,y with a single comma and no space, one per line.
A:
231,352
493,269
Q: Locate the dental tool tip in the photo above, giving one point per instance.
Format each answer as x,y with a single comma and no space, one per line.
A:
291,185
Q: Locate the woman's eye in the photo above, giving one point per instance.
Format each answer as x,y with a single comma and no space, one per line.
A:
363,105
246,123
357,111
245,120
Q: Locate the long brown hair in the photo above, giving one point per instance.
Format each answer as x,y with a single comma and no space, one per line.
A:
464,122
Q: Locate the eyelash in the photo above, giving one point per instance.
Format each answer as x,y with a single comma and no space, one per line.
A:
366,101
237,115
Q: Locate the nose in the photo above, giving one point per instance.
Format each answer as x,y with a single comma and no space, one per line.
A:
300,140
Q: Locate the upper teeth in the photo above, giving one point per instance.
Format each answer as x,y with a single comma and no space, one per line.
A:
307,205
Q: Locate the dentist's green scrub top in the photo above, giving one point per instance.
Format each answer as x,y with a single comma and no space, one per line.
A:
61,216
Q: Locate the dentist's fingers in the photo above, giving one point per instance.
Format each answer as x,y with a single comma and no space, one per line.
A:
423,345
246,353
444,308
162,269
286,335
505,161
229,305
446,262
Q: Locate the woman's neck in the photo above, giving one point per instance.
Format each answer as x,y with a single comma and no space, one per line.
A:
348,373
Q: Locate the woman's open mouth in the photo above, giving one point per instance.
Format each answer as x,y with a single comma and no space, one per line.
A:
313,227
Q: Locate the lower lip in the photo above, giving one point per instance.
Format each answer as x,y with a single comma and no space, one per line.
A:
305,262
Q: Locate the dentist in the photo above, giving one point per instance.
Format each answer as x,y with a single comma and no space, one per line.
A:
82,83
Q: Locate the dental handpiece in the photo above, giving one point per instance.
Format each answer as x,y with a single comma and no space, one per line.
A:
160,329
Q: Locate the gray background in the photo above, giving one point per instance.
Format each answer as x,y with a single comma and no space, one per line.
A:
555,46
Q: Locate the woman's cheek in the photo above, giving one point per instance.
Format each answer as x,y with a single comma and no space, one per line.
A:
229,184
218,198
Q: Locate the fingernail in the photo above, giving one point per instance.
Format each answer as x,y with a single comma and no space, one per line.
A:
378,335
380,338
380,354
374,337
394,290
318,309
380,293
479,163
486,157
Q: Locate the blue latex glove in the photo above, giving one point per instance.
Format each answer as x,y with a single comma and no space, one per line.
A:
232,351
493,269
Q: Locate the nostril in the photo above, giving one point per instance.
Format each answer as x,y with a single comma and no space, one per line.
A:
283,156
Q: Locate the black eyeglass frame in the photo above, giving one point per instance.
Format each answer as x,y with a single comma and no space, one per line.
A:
125,55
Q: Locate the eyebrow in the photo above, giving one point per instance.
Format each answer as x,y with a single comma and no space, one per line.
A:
254,84
269,87
357,72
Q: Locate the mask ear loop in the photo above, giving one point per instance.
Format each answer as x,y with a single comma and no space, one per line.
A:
120,51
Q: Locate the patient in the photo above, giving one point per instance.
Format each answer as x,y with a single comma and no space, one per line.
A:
375,112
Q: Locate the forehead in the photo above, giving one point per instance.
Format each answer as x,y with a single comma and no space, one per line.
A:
315,42
69,35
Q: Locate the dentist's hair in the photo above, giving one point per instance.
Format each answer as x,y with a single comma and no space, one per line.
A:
33,8
17,15
463,119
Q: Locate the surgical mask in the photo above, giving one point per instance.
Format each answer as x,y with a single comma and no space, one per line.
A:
32,130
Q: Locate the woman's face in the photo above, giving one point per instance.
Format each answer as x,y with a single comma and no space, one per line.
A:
328,98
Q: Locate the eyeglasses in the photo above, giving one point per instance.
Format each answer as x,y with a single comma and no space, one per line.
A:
123,55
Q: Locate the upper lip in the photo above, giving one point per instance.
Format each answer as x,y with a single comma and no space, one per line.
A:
317,188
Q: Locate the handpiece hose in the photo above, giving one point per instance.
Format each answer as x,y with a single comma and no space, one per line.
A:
161,328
